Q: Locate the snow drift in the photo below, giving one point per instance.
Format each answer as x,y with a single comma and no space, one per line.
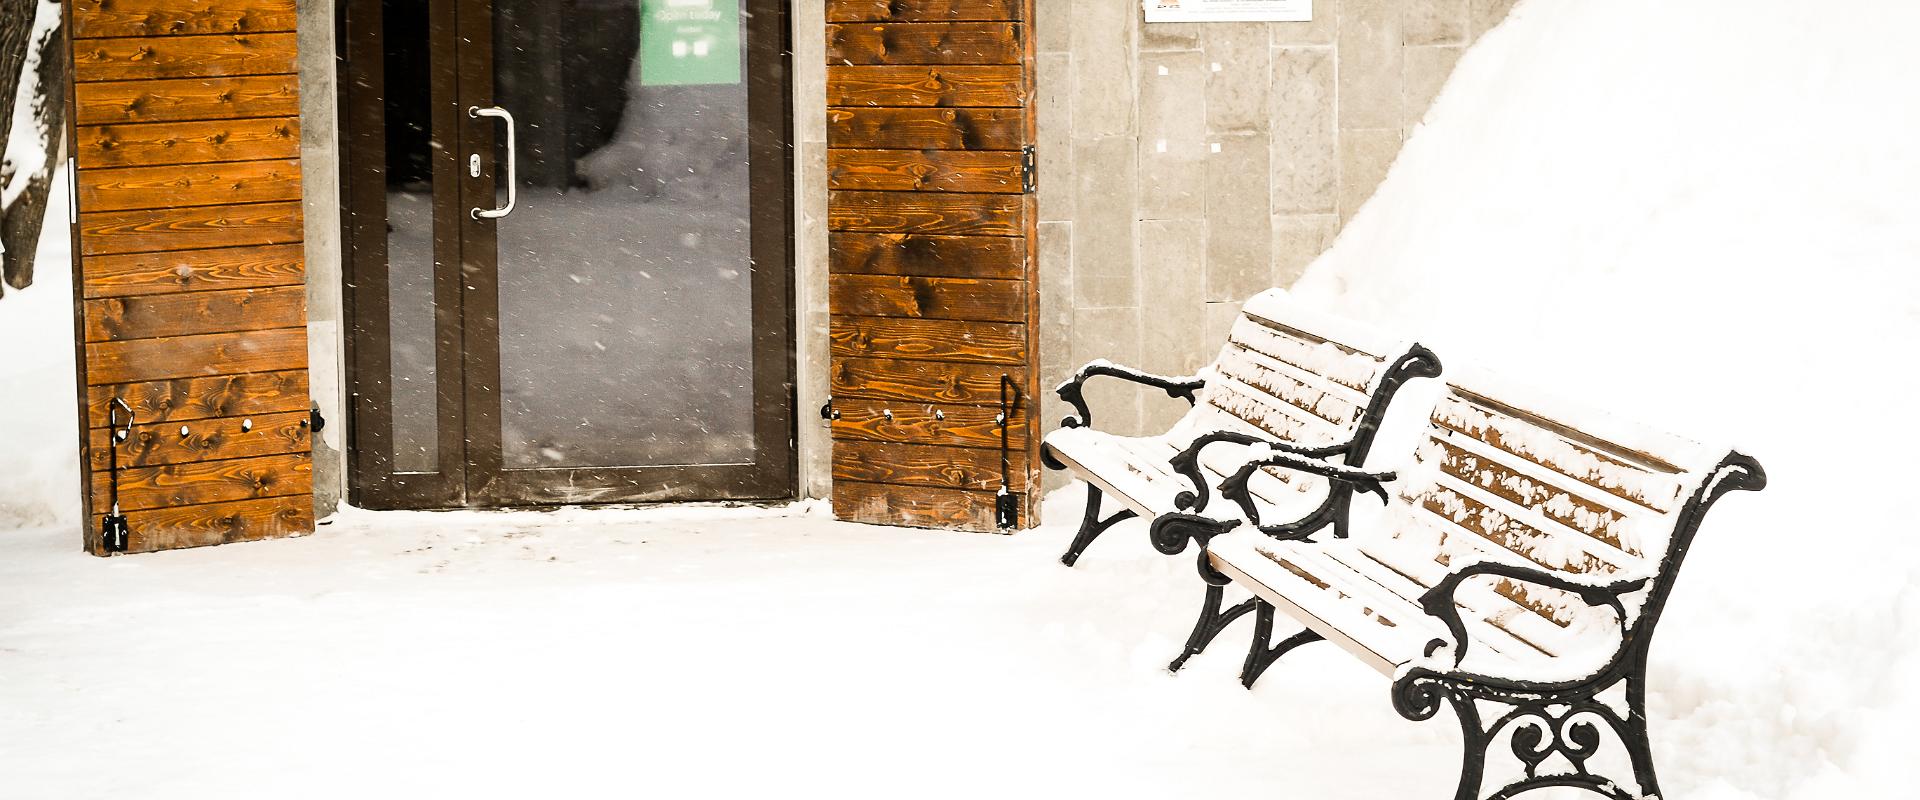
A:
1698,215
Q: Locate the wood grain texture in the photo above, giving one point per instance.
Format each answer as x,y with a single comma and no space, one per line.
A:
927,128
917,381
922,10
927,298
924,43
925,171
159,443
926,212
186,228
976,468
925,423
96,18
177,314
189,185
186,399
939,339
164,143
988,257
219,523
135,58
199,482
926,86
913,507
141,360
194,270
186,99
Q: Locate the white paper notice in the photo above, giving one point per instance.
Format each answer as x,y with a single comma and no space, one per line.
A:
1229,10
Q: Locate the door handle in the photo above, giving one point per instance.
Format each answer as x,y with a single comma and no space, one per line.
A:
513,178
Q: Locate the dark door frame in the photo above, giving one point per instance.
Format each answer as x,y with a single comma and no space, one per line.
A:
467,346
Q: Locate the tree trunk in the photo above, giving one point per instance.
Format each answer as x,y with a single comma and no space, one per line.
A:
45,111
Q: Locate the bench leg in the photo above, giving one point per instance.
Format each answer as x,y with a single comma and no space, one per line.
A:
1091,526
1540,735
1212,621
1261,656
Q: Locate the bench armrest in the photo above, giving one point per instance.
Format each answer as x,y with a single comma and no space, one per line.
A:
1439,602
1070,389
1235,486
1187,462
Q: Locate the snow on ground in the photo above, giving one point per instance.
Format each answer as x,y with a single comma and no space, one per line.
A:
1694,213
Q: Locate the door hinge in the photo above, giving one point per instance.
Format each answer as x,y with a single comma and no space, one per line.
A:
1029,171
73,194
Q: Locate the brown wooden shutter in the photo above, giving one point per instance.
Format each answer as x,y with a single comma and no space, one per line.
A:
189,280
933,284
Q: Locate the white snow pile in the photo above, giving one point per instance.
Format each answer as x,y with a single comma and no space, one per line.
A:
1701,217
39,439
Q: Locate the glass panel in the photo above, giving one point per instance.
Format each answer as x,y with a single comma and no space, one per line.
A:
409,170
625,325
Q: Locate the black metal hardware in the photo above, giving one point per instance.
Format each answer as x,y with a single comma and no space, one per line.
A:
1071,392
1091,526
1212,621
1260,656
1006,507
1029,170
114,531
315,421
828,412
1566,718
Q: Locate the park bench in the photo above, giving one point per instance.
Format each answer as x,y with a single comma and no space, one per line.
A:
1516,574
1315,383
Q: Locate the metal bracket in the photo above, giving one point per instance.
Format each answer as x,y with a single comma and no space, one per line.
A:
1029,170
828,412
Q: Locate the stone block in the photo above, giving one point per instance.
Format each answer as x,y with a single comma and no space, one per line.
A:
1365,157
1305,159
1053,109
1112,334
1237,78
1173,140
1427,71
1326,17
1239,224
1103,203
1103,45
1298,239
1434,22
1369,74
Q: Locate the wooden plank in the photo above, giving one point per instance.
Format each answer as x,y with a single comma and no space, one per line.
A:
96,18
189,228
189,185
208,482
194,270
933,256
924,43
927,128
921,10
164,143
973,468
185,399
918,381
206,440
926,212
195,312
913,507
926,86
196,356
927,298
219,523
189,99
135,58
945,340
925,171
917,423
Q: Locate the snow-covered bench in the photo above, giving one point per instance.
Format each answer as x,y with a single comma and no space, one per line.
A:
1516,574
1315,384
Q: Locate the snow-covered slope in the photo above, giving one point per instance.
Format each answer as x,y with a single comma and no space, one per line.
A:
1701,215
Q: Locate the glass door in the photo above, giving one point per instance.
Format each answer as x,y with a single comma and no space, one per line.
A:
588,285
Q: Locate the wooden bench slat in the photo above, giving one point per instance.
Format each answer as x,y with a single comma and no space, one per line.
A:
1284,383
1325,366
1655,491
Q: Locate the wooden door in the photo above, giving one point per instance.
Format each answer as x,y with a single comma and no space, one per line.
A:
190,293
933,276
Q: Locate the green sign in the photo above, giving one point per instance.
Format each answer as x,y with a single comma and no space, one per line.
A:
689,42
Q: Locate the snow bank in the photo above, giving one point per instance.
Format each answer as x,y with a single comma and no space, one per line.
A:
1699,215
39,451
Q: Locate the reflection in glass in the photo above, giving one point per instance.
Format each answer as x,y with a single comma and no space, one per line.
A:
625,325
409,180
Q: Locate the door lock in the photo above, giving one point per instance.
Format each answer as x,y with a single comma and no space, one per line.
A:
473,165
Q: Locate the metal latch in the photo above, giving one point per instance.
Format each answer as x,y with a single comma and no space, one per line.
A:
1029,170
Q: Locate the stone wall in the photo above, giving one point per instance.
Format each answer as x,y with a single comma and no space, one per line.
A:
1186,167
